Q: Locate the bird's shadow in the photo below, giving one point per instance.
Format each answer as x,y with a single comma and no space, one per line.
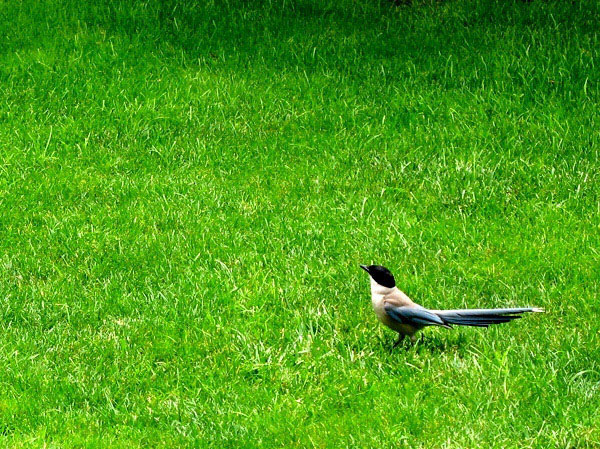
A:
432,344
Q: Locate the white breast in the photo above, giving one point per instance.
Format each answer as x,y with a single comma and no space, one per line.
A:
378,292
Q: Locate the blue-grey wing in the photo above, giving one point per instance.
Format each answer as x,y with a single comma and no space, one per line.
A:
414,316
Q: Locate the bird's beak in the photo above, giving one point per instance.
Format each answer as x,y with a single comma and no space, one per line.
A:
364,267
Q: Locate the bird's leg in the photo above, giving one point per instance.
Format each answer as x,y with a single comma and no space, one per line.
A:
414,338
400,338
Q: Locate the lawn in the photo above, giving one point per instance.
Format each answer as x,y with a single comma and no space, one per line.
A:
187,190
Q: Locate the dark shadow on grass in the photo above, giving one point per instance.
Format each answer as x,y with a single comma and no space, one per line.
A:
301,33
439,343
426,343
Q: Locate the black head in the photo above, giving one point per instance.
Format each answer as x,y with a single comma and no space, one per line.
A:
381,275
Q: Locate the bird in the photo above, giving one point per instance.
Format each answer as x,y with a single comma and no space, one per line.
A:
398,312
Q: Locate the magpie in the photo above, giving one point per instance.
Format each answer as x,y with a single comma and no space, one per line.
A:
398,312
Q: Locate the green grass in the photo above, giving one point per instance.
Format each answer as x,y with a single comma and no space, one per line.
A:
186,192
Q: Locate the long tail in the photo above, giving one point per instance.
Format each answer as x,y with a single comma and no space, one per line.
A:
482,317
